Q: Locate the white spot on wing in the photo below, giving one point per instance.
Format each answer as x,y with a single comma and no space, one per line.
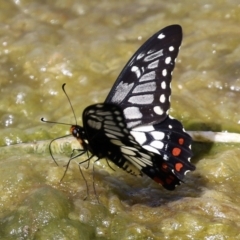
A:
140,137
145,161
91,111
162,98
103,113
99,119
128,151
111,136
113,132
144,128
121,92
94,124
148,76
157,144
132,113
133,123
109,117
99,105
141,99
151,51
161,36
150,149
164,72
154,55
153,64
158,110
163,85
125,130
145,156
138,161
136,70
157,135
111,127
110,122
171,48
145,87
168,60
140,55
116,142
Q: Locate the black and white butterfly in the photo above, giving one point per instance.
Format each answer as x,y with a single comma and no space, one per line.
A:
132,127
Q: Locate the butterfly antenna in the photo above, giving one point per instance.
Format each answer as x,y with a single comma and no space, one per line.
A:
63,88
46,121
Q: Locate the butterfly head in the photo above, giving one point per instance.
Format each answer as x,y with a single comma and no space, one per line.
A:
79,133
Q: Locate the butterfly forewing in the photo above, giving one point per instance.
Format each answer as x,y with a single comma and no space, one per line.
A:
109,137
142,89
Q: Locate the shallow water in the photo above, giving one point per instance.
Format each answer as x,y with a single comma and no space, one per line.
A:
86,44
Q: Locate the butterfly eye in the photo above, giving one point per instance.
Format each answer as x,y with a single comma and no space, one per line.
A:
75,131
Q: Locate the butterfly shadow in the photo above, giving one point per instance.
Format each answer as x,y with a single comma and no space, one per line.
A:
133,190
201,147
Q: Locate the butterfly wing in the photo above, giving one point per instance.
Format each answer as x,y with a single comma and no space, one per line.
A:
132,128
143,89
109,137
169,140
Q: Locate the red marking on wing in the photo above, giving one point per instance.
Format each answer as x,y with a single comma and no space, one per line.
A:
178,167
164,166
170,179
176,152
158,180
181,141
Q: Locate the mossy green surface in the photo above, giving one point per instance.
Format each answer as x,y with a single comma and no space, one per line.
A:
85,44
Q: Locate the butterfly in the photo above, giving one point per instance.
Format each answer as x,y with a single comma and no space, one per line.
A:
132,128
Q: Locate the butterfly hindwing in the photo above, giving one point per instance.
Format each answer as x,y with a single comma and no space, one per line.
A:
169,140
142,89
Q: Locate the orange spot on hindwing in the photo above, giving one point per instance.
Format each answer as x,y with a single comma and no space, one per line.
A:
181,141
170,179
178,167
176,152
164,166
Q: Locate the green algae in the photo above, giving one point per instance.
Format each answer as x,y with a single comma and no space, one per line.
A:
86,44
